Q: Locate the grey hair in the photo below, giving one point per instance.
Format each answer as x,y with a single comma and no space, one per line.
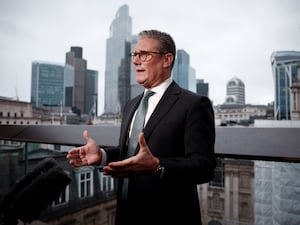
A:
166,43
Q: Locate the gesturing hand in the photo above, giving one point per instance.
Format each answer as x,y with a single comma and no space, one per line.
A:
85,155
143,162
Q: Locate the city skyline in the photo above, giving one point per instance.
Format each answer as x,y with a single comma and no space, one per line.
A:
223,40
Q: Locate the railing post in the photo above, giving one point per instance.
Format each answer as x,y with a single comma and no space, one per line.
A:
26,158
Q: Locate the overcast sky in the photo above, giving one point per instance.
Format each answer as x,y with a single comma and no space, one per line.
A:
224,38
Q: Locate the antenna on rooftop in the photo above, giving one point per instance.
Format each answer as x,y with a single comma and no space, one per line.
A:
16,88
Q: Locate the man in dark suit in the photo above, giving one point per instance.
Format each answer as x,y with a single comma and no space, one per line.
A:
175,151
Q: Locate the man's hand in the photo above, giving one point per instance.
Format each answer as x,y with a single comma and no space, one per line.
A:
143,162
88,154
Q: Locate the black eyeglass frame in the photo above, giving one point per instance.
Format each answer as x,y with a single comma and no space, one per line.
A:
143,55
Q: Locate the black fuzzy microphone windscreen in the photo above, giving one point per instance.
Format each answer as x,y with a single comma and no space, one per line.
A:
33,193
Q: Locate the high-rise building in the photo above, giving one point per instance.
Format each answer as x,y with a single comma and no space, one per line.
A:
91,92
47,83
183,73
284,67
71,85
235,91
117,69
202,87
192,80
181,68
75,75
136,88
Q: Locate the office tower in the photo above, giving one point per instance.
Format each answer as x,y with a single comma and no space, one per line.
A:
235,91
182,68
136,88
47,83
80,83
183,73
75,73
284,67
117,69
91,92
192,80
202,87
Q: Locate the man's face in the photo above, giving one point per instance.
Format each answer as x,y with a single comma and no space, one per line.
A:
155,68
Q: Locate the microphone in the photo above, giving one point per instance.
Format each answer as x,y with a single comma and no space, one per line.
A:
33,193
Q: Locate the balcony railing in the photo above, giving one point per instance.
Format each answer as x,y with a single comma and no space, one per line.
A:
243,185
270,144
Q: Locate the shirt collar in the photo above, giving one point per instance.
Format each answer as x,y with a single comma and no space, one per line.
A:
162,87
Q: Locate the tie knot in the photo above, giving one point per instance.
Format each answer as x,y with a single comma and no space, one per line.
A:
148,94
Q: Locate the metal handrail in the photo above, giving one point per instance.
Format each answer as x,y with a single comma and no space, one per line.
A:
271,144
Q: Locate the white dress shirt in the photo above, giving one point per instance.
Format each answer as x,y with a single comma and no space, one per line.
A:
154,99
152,103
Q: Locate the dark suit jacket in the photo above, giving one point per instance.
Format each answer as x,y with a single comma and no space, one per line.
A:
181,133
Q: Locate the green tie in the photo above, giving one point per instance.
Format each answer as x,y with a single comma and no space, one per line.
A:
138,124
137,128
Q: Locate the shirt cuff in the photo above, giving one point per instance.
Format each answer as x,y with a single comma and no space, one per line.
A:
103,158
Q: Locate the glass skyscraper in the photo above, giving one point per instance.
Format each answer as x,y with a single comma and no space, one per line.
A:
47,83
91,91
284,67
183,73
69,85
202,87
117,69
135,88
182,68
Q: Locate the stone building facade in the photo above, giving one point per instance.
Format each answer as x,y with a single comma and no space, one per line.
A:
228,199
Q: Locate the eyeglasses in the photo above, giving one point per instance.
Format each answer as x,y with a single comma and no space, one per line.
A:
145,56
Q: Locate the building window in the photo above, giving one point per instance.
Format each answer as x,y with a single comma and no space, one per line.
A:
218,180
106,183
86,183
245,209
216,203
92,218
63,198
214,222
111,215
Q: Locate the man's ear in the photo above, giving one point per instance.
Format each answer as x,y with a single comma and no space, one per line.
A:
168,59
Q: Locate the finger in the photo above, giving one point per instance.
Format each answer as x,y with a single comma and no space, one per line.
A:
120,165
81,152
73,153
142,141
86,136
75,162
107,170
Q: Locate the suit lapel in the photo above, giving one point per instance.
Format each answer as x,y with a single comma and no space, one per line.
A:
127,117
163,107
167,101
